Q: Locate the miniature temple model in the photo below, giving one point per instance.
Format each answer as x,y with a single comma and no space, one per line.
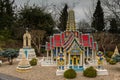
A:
71,48
24,64
27,49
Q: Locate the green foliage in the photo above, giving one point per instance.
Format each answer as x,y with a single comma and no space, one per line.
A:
63,19
117,58
10,54
109,54
5,34
98,18
90,72
113,26
7,16
7,19
42,50
33,62
35,17
112,62
70,74
108,59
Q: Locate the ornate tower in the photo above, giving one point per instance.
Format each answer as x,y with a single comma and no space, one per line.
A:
71,21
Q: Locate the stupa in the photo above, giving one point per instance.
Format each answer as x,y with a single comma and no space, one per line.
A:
116,52
27,49
24,64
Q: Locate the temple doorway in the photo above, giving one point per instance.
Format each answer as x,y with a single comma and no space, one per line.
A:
74,61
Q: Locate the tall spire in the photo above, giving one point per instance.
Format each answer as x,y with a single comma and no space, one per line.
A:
71,21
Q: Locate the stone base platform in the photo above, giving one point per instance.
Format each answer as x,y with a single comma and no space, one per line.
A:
102,72
45,63
29,53
23,69
60,72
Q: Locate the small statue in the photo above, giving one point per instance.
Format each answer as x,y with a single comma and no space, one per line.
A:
100,59
60,61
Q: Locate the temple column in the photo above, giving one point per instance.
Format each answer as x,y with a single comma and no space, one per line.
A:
68,58
83,56
47,54
56,53
65,58
95,52
93,55
51,55
80,59
60,49
87,53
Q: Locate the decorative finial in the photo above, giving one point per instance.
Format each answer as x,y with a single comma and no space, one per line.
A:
27,30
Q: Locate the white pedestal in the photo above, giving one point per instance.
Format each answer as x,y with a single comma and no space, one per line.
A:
102,72
29,52
45,62
60,72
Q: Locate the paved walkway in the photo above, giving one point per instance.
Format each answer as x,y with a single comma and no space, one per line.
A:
7,77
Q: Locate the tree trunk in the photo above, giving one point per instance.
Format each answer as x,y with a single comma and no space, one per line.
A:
104,50
38,51
10,61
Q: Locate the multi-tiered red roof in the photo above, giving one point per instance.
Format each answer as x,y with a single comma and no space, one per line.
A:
66,38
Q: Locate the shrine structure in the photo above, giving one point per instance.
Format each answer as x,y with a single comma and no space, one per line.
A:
71,48
27,49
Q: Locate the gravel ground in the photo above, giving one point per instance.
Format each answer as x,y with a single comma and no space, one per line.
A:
8,77
48,73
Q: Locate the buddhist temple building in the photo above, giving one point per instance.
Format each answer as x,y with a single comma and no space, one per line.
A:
71,48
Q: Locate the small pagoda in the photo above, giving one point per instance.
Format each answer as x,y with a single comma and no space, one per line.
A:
24,64
116,52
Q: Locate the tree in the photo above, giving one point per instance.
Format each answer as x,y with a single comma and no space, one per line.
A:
7,19
63,19
83,26
37,39
98,18
7,16
112,8
10,54
113,26
34,17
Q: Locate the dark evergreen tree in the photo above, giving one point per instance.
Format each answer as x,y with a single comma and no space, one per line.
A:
98,18
34,18
7,18
6,14
113,26
63,19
